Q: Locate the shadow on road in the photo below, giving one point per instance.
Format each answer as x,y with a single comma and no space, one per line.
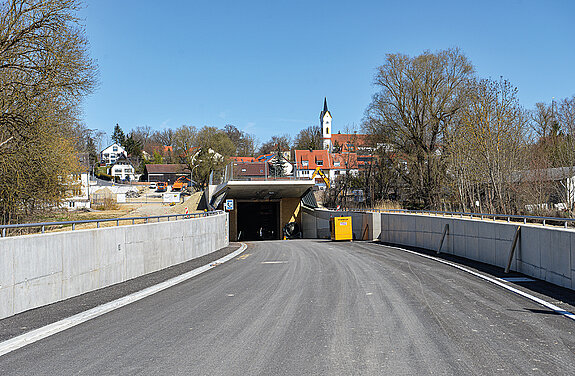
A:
531,284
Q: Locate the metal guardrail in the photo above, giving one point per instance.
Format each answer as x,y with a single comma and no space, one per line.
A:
157,218
509,217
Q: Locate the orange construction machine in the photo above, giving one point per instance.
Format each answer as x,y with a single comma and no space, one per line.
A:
180,183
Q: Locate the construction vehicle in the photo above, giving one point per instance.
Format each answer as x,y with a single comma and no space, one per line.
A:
319,172
180,183
161,186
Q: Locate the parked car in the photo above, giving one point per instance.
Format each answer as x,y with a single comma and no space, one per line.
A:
153,185
161,186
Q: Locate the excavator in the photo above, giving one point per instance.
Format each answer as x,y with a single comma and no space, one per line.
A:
180,183
319,172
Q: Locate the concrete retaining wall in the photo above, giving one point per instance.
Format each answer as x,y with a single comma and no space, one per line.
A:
36,270
315,224
545,253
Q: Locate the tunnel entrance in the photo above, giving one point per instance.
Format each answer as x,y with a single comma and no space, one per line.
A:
258,220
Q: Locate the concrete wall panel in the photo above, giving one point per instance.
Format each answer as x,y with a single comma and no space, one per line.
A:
35,292
542,252
7,299
40,269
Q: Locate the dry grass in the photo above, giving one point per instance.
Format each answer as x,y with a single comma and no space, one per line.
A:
387,205
105,204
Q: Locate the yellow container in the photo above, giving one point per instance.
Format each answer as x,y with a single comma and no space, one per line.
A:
340,228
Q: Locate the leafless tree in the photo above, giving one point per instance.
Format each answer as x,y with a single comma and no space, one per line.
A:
45,71
416,103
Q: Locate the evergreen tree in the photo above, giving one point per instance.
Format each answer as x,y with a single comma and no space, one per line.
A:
277,164
118,136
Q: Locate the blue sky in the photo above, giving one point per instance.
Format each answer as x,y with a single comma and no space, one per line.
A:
265,66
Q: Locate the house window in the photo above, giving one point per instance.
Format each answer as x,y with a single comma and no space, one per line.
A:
243,170
336,172
319,163
114,148
304,163
336,164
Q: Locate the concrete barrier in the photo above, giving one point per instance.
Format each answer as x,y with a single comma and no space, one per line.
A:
315,224
36,270
546,253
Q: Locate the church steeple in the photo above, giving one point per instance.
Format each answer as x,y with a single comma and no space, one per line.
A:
325,123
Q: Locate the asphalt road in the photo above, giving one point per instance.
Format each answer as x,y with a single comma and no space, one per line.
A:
315,308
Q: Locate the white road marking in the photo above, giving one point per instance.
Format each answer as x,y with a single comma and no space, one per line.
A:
274,262
496,281
517,279
48,330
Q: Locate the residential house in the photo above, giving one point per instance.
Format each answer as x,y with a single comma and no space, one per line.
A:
122,169
112,153
332,165
78,196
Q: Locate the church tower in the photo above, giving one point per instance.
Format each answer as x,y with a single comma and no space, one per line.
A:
325,123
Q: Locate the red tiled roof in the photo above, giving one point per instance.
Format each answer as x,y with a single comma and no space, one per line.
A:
167,168
243,159
350,142
344,161
249,168
329,161
313,157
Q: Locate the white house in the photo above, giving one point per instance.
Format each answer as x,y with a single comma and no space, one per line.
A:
78,196
123,169
112,153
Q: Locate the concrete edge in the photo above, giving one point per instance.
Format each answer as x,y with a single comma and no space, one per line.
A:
59,326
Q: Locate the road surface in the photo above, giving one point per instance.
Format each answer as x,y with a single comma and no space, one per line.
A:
314,307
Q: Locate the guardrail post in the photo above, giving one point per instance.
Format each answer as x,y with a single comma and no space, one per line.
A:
445,231
73,226
3,232
117,222
512,250
97,224
133,221
543,222
42,229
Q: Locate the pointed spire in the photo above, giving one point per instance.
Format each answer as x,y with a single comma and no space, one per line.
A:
324,105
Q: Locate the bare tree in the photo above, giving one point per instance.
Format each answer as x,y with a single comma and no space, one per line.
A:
309,138
416,103
244,142
282,141
487,146
164,137
45,71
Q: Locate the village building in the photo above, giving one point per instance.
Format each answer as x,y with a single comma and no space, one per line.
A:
165,172
111,154
122,169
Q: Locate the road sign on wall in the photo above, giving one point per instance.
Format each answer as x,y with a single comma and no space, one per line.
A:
229,204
